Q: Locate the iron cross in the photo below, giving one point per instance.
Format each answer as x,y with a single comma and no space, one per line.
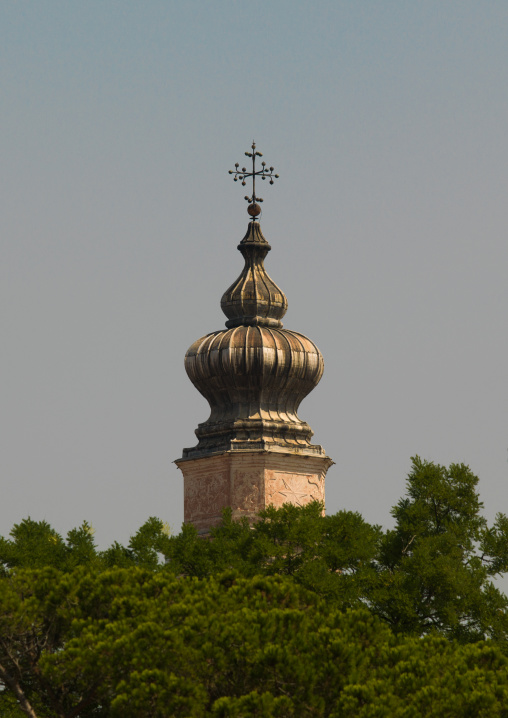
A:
242,175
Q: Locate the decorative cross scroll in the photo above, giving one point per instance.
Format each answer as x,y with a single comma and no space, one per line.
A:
254,209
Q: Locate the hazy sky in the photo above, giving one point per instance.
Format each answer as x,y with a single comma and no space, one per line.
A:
387,122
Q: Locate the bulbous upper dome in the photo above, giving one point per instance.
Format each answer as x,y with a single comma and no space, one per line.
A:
254,374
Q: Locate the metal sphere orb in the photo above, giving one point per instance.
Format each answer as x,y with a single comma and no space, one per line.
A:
254,210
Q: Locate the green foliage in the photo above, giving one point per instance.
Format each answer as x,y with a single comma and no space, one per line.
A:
149,543
9,707
432,573
137,643
254,704
35,544
331,555
299,614
438,562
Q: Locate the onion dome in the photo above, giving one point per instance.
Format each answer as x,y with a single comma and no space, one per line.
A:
254,374
254,299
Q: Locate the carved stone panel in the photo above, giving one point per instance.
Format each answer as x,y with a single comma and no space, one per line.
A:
249,482
247,491
205,495
290,488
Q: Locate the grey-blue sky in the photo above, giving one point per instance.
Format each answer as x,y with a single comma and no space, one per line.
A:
387,123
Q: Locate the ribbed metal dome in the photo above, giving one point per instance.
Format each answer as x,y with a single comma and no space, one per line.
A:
254,374
254,299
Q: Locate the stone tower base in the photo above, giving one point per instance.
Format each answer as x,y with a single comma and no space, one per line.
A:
249,482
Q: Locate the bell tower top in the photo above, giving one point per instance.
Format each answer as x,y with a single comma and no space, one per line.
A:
254,374
253,450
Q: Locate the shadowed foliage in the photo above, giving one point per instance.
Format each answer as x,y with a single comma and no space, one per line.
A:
298,615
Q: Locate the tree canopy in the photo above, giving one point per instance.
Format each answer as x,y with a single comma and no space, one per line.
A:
298,614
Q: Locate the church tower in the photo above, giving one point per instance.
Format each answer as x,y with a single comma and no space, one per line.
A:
253,450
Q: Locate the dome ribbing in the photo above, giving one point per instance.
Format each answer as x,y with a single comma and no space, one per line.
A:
254,299
254,374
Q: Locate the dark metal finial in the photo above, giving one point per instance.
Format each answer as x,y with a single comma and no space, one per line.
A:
253,209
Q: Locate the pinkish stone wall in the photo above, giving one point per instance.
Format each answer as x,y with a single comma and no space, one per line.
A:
249,482
206,490
247,490
283,487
